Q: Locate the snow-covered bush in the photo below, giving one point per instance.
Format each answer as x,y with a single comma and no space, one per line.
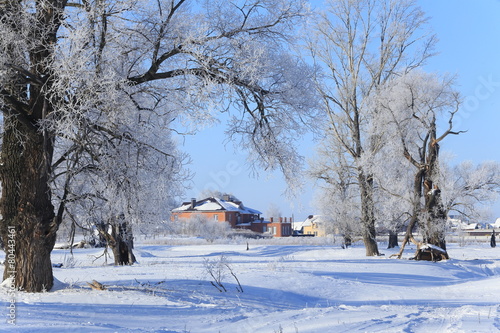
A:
201,226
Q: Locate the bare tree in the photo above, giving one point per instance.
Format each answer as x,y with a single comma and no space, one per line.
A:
362,44
104,72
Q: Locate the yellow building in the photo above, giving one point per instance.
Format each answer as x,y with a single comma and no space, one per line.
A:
313,225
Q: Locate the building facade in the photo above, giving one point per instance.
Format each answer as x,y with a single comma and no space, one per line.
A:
231,210
312,226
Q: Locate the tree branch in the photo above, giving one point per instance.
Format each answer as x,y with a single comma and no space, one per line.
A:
19,110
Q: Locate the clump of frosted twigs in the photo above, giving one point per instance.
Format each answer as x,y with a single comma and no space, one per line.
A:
218,269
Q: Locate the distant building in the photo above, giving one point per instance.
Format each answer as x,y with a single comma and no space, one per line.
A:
280,228
226,209
465,227
231,210
314,225
458,223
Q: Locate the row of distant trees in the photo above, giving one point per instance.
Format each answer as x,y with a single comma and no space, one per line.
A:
95,93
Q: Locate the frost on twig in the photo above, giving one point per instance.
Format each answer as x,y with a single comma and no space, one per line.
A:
218,269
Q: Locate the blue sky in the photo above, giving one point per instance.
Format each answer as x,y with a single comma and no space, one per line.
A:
469,46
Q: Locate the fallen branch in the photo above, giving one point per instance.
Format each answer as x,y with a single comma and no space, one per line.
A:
96,285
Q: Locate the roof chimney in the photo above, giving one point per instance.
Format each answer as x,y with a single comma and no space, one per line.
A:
193,203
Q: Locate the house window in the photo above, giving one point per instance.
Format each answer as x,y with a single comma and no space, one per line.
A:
216,217
264,228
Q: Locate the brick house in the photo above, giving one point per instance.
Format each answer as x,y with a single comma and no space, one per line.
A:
231,210
280,228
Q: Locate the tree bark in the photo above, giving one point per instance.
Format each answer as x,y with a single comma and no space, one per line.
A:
122,248
434,231
347,241
120,239
393,240
26,206
370,241
27,151
367,215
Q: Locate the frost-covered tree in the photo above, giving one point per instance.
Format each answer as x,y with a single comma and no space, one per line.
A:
361,45
470,189
338,198
200,225
416,113
274,211
115,183
88,88
411,107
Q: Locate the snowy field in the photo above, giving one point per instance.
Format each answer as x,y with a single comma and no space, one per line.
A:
287,287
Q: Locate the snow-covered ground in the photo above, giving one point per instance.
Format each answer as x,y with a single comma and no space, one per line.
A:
286,288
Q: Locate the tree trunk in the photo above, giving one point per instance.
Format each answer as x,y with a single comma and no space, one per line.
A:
370,242
347,241
121,242
26,206
434,230
28,219
368,216
393,240
122,252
